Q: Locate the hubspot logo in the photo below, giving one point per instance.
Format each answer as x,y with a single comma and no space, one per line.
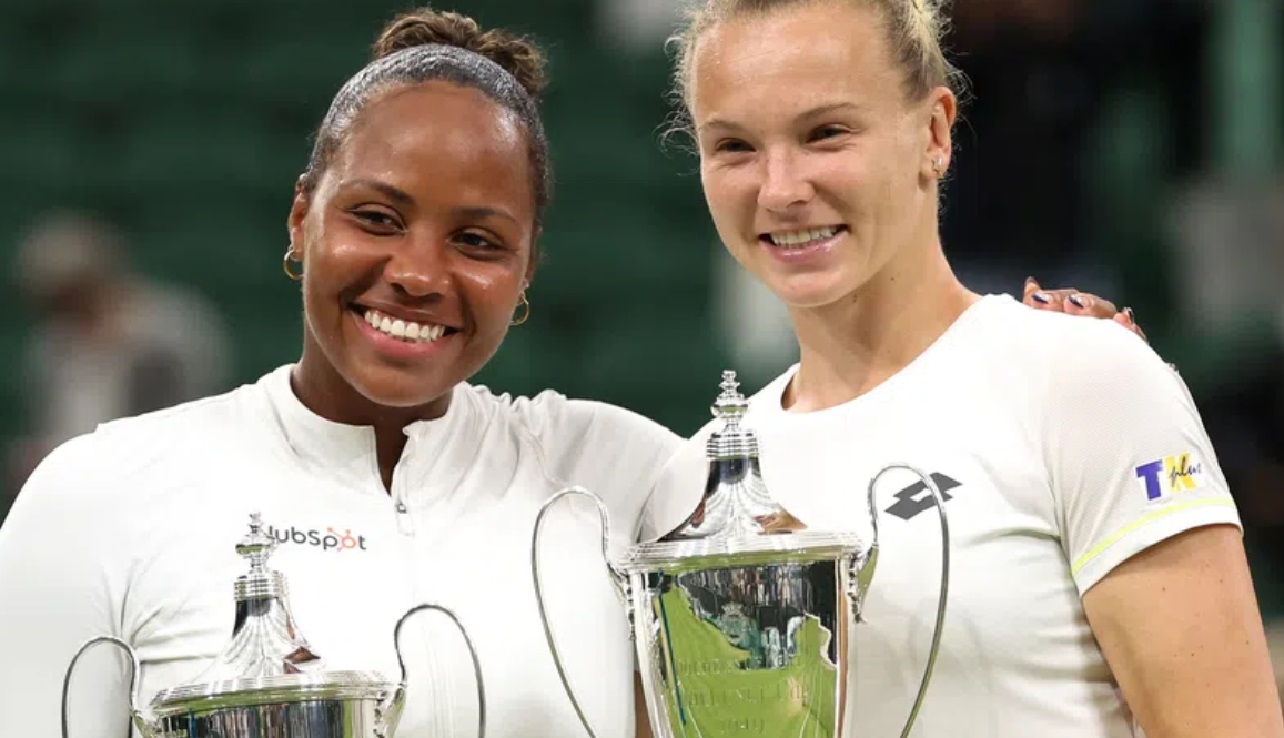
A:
330,540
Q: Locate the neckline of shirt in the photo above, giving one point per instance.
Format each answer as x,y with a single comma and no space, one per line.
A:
347,452
768,401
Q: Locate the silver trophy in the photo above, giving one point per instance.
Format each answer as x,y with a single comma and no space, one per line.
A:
740,615
268,682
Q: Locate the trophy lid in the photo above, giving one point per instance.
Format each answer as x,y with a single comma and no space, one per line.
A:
267,660
737,514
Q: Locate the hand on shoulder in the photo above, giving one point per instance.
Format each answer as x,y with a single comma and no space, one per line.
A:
1074,302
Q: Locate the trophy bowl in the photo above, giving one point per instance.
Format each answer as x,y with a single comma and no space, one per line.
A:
268,682
341,703
742,615
747,637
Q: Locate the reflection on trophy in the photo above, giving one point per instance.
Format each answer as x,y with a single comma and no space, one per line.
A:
740,615
268,682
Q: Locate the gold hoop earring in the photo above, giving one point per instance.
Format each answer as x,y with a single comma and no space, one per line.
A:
526,314
285,264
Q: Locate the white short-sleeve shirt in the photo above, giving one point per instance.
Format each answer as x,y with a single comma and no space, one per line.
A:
130,531
1064,446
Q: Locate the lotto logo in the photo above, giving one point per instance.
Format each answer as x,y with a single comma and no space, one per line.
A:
1171,475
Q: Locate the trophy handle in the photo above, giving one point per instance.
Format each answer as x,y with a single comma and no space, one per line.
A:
618,578
141,721
477,671
865,573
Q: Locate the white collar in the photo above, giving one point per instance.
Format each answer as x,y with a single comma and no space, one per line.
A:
346,453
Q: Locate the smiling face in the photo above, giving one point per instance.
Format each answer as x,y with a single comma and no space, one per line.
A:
819,170
416,243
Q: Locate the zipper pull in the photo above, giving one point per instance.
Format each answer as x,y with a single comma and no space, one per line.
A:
405,521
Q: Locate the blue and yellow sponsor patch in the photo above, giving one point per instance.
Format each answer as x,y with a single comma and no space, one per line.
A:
1171,475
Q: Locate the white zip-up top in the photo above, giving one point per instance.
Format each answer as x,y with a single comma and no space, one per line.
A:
130,531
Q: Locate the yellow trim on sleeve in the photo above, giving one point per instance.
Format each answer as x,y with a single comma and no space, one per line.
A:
1143,521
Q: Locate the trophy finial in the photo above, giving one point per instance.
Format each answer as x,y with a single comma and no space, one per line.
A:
729,384
257,546
731,440
730,405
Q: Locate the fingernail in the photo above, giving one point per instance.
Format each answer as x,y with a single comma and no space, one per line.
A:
1030,281
1042,297
1077,300
1131,318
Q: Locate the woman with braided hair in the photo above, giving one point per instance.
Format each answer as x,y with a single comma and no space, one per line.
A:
1099,578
